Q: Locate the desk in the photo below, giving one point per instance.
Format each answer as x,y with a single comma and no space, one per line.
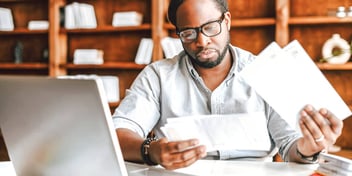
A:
219,168
250,168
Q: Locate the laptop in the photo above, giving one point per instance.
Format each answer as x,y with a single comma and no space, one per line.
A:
56,127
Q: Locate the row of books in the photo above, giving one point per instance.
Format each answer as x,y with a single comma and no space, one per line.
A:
82,15
171,47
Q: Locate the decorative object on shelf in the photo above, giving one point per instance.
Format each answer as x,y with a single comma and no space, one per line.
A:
18,52
45,55
341,12
88,56
6,20
80,15
336,50
130,18
38,25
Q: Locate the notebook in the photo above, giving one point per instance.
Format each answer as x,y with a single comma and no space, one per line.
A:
61,127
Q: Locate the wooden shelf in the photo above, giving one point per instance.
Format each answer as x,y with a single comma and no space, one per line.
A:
109,65
314,20
325,66
23,31
13,66
104,29
255,22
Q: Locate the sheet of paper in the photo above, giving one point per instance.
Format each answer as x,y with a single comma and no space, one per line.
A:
288,79
217,132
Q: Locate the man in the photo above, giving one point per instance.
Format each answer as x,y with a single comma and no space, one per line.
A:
203,80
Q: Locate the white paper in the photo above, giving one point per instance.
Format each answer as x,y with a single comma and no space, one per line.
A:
288,79
221,132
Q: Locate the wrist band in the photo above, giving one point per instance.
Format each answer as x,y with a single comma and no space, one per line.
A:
311,159
145,151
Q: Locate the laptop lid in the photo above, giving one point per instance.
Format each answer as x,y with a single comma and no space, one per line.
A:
58,127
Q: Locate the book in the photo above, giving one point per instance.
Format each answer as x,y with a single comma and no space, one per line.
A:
129,18
145,51
171,46
79,15
6,20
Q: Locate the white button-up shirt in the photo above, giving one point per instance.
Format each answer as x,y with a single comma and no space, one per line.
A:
171,88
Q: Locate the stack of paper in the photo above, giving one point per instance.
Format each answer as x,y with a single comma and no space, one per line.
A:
334,165
80,15
221,132
144,52
171,46
6,21
288,79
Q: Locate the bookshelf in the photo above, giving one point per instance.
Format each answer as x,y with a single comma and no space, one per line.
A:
255,23
35,42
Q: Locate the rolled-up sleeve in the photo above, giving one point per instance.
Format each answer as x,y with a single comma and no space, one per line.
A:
139,111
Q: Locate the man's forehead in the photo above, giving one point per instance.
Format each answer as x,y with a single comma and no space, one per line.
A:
196,12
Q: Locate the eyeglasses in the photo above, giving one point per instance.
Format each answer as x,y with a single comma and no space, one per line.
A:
209,29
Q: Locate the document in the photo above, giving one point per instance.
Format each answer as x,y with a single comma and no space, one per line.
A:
221,132
288,79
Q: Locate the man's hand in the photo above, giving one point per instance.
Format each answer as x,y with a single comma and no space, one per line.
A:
176,154
320,130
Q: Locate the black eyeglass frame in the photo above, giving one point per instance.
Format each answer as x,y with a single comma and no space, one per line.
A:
200,29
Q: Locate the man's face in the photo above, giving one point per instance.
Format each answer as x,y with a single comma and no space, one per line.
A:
205,51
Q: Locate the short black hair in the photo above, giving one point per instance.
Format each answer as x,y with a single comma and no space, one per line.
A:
174,4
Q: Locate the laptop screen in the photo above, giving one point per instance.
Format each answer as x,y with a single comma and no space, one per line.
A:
58,127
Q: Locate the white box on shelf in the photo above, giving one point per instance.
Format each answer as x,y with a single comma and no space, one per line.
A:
171,46
111,86
6,20
38,25
129,18
110,83
145,51
88,56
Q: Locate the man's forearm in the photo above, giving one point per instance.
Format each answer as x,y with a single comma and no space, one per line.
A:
130,143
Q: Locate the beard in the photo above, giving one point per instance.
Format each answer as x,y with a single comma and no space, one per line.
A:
211,64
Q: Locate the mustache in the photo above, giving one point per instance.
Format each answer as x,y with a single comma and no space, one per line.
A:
205,50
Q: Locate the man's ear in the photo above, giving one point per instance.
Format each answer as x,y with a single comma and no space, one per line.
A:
228,20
